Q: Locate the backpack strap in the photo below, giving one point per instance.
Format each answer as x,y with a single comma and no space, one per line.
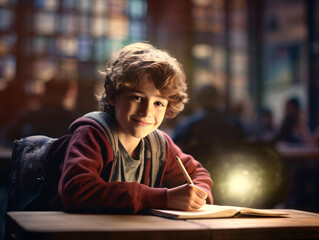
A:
155,146
108,125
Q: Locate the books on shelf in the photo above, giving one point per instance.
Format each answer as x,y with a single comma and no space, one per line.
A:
218,211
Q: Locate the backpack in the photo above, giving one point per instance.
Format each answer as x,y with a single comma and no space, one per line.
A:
29,170
35,161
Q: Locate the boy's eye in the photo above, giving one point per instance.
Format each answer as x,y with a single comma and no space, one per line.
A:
159,104
138,98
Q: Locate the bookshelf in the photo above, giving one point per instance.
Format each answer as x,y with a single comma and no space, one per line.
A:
40,39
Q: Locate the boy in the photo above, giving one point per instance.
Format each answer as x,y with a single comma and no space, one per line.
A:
121,172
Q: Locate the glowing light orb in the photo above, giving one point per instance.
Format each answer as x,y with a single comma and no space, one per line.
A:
240,183
251,177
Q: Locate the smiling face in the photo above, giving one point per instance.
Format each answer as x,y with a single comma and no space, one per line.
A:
138,61
139,111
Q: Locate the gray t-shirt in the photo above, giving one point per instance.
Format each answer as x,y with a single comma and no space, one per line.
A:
127,169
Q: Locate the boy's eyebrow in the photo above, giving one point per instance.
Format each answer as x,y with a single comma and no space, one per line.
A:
141,92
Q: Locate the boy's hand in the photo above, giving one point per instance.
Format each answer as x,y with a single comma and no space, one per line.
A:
186,197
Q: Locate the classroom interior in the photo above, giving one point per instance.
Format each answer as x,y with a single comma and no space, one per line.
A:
257,54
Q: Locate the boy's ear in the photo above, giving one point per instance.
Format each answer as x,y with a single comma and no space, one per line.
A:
112,99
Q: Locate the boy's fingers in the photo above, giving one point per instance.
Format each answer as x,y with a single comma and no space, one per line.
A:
200,201
200,192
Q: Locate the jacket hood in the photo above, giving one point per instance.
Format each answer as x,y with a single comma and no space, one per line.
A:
86,120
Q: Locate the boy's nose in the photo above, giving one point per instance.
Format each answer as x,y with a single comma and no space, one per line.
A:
145,110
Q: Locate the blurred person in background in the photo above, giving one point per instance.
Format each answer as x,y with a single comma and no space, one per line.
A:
263,128
51,119
293,128
209,131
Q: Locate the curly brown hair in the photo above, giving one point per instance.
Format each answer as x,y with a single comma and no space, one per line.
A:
139,61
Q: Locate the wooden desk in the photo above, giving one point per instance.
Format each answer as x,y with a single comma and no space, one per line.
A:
59,225
300,225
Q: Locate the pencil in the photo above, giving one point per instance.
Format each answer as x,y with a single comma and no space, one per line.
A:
188,178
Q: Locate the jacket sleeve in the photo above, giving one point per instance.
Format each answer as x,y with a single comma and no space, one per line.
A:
82,188
173,175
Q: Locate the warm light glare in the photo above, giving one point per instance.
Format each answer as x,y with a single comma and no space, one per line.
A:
240,183
247,178
244,183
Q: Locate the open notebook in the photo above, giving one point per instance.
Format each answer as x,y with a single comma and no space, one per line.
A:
217,211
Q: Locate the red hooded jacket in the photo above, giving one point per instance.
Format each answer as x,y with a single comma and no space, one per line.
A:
84,184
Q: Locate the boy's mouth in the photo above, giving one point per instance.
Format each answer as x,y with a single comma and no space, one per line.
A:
141,122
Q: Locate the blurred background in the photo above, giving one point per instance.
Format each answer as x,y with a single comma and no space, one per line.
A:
261,58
